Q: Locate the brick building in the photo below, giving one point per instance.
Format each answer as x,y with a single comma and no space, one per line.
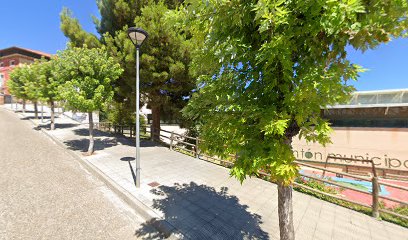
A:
10,58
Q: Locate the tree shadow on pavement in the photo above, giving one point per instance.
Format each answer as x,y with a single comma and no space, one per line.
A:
26,111
85,132
33,117
201,212
120,138
82,144
47,125
59,125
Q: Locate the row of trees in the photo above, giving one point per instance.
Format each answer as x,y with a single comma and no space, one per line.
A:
264,70
82,77
166,82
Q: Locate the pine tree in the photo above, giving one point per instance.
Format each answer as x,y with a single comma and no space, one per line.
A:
165,54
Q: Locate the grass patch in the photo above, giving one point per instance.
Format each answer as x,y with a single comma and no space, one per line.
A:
401,209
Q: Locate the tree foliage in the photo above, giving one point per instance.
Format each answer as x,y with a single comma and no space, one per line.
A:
87,75
165,78
17,82
47,82
165,54
73,30
117,13
271,66
267,68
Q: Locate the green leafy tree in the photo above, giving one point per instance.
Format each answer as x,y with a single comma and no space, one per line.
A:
17,83
166,53
267,68
48,85
31,86
117,13
165,79
87,75
73,30
24,85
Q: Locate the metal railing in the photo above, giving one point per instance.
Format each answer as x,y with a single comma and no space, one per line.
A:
125,130
178,141
190,145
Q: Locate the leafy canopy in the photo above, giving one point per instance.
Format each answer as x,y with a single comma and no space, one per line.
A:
24,81
88,75
165,78
73,30
267,68
165,53
16,83
46,83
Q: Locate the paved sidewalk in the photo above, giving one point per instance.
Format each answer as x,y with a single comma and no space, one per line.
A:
47,194
202,202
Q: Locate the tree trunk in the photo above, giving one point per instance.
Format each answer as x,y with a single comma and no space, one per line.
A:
36,110
285,211
24,105
156,123
91,137
285,208
52,115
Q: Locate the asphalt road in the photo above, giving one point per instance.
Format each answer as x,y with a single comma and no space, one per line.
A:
46,194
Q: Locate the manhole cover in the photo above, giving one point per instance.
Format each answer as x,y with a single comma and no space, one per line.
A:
153,184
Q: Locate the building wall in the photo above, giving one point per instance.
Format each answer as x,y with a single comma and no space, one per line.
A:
7,68
387,147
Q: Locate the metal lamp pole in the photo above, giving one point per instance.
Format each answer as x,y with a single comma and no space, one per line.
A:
137,121
137,35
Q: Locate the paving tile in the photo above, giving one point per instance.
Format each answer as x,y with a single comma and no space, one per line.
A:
209,195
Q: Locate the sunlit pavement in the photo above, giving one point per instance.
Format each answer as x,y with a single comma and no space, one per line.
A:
46,194
202,202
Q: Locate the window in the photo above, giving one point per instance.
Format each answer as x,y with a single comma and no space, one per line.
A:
12,63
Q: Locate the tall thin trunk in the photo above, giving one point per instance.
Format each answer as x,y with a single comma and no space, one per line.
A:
24,105
156,123
52,115
285,208
36,110
285,211
91,137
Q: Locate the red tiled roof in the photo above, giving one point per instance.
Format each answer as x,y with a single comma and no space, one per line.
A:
38,52
17,49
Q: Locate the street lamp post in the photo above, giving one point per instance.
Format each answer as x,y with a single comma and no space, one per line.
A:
138,36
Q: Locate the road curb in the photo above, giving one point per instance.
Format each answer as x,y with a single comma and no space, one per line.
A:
161,225
148,214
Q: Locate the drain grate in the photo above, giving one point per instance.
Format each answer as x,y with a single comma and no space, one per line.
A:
153,184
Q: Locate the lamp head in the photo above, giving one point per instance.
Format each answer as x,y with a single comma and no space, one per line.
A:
137,35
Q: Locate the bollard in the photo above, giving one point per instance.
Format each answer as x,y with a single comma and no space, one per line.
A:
171,140
197,151
42,112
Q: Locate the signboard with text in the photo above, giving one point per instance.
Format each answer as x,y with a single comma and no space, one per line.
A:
388,148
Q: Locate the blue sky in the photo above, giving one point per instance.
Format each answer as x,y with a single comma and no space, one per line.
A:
35,25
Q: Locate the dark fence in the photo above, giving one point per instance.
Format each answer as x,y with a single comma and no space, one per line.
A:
190,145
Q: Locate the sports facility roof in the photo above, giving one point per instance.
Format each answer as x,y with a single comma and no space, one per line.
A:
382,98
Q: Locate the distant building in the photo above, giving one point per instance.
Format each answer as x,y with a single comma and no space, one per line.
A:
372,126
10,58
